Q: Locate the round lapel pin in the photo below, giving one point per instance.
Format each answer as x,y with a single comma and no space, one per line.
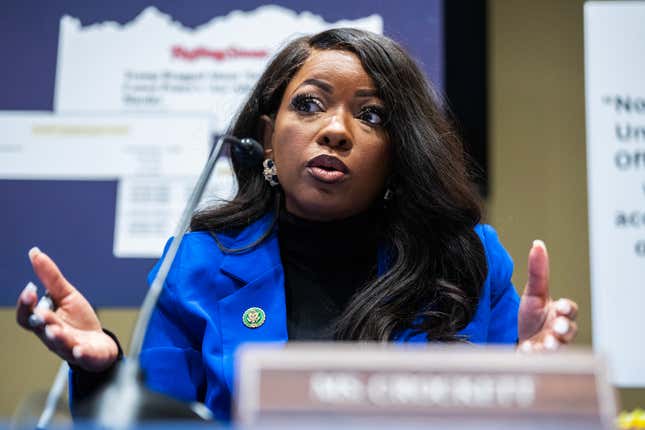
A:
253,317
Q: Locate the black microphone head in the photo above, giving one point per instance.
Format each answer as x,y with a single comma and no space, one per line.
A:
248,152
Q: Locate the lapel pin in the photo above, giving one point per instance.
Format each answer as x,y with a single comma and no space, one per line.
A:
253,317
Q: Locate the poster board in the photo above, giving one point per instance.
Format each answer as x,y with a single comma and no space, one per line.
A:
615,115
95,60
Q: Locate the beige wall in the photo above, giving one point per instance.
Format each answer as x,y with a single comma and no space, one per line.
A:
29,367
538,182
537,144
537,140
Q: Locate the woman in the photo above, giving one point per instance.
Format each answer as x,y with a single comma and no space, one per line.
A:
360,225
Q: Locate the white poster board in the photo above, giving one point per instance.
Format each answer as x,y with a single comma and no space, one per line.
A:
155,159
154,64
615,102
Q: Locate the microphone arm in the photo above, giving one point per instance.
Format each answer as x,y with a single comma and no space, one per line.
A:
125,393
150,301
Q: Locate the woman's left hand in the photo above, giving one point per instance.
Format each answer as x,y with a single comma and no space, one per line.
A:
543,323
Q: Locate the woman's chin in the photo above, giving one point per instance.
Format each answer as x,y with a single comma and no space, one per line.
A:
322,210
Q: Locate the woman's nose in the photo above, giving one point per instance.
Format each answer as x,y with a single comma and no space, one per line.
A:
336,132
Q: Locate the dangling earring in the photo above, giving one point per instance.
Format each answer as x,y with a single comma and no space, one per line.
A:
270,172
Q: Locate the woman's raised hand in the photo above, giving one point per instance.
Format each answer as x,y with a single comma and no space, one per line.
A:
72,330
543,324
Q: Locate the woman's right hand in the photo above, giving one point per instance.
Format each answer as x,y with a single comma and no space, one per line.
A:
72,330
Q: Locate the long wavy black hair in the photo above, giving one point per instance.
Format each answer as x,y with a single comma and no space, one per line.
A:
437,262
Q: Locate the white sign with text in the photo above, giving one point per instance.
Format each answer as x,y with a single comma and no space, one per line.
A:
615,101
154,158
47,146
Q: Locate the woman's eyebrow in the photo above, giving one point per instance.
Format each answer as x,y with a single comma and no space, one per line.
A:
326,87
368,92
318,83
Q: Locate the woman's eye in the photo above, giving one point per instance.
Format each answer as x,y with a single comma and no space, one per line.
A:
306,104
372,115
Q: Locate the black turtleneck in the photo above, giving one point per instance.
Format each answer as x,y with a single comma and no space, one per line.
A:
325,263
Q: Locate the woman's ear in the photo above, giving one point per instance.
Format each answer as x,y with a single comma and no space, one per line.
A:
266,131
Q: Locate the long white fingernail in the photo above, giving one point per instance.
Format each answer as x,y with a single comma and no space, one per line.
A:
539,243
35,321
526,346
33,252
550,343
45,303
76,352
563,306
561,326
49,332
29,288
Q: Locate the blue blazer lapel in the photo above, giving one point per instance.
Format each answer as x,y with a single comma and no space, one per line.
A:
260,273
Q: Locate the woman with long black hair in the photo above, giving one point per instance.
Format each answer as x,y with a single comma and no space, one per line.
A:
361,224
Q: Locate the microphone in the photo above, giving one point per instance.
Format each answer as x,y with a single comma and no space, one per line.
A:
248,152
126,393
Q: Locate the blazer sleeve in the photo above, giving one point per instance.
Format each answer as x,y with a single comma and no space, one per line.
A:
504,300
171,353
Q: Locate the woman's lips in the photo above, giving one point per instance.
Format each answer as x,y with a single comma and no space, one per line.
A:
327,168
327,176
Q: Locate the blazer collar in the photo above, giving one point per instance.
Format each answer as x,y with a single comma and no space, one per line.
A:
260,271
252,263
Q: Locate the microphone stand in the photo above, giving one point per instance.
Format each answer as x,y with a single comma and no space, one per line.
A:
53,396
125,400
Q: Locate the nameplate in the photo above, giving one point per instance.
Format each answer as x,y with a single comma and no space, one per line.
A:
438,382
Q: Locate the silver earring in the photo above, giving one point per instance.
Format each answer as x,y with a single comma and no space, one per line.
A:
388,195
270,172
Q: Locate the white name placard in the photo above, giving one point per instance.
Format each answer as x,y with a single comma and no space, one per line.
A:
417,386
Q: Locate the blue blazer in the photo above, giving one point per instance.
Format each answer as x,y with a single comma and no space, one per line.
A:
190,345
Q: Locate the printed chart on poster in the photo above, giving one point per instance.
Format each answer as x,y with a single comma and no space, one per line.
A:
206,70
138,94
